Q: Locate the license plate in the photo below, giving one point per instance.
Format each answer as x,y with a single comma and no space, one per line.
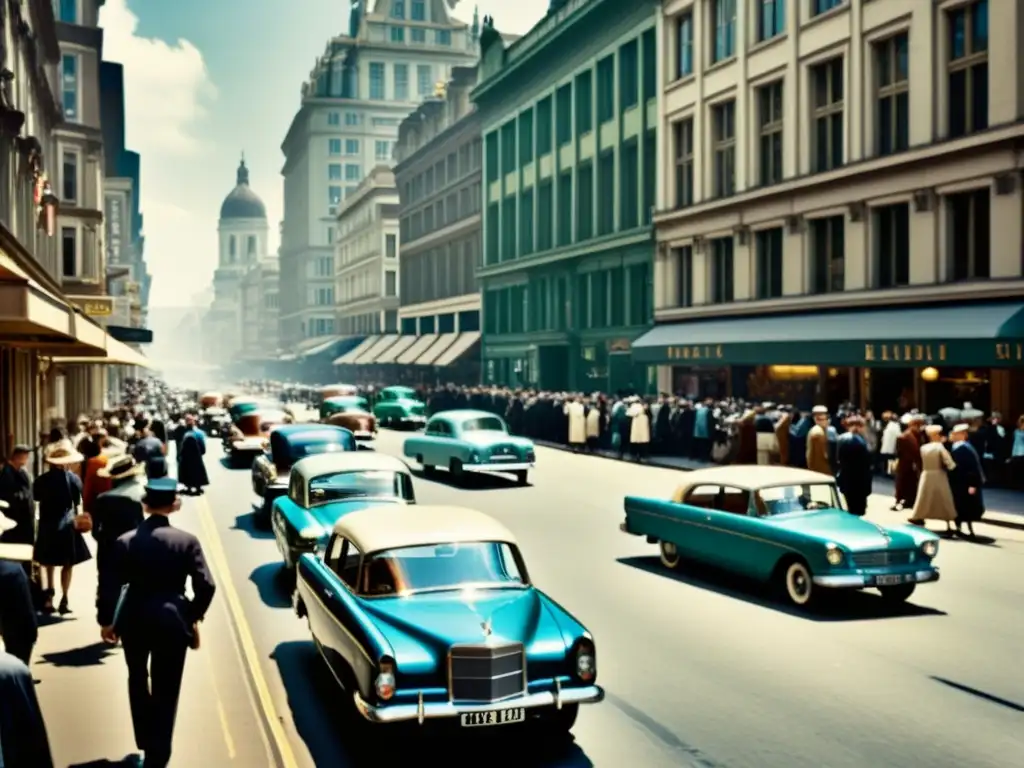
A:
501,457
886,581
495,717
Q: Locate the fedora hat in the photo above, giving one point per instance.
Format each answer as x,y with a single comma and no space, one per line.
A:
120,467
63,453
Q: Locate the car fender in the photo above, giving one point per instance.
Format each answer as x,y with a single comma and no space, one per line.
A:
413,446
259,475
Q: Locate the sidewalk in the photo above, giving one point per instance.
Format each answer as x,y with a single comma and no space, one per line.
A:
1005,508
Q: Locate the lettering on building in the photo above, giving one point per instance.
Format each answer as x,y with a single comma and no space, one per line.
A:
696,352
904,353
115,210
98,308
1007,352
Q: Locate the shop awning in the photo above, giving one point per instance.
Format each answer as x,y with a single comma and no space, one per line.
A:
417,348
965,335
383,343
390,355
436,349
322,346
118,353
463,344
353,354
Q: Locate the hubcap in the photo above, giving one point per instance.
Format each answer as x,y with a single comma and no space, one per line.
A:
669,552
799,584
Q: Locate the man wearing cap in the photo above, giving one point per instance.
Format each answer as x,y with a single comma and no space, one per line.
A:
143,602
118,510
817,442
853,459
18,625
966,479
908,461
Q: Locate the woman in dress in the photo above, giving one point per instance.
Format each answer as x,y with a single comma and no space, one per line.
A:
58,543
934,497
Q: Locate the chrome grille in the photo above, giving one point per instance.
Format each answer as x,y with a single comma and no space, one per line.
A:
880,557
484,673
504,452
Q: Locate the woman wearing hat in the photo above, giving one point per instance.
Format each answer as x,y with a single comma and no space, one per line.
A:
934,498
58,543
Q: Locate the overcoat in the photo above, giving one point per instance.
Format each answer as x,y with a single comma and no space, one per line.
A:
576,414
191,467
817,451
967,474
934,498
640,424
908,467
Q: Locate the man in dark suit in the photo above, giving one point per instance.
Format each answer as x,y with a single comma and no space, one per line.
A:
142,602
18,625
966,480
23,739
853,458
16,491
119,510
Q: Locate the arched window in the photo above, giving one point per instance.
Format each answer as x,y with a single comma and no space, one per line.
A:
250,246
232,248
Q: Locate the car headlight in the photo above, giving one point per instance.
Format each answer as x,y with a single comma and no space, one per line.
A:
311,533
531,456
833,554
586,662
930,548
384,685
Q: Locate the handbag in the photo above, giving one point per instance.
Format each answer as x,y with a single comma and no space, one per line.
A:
81,522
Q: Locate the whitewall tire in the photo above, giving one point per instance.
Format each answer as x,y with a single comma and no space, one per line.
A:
670,556
798,585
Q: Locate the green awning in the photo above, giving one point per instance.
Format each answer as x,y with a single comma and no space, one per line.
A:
980,335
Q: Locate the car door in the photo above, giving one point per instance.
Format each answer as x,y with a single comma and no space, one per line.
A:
347,568
319,580
694,514
734,544
442,444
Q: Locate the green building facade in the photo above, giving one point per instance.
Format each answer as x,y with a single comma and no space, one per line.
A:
569,116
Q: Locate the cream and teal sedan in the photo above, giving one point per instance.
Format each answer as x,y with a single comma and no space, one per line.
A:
471,441
399,407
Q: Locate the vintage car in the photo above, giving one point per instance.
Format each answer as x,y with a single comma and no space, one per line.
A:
321,489
289,444
783,525
353,416
338,404
212,420
471,441
428,613
248,435
399,407
338,390
211,400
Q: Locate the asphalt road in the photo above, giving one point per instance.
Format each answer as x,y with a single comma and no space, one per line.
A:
700,670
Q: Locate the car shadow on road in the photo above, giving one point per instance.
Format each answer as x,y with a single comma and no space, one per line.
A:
235,465
327,728
470,481
269,581
127,760
86,656
846,605
248,523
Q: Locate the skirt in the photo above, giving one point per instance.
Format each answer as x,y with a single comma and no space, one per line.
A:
60,546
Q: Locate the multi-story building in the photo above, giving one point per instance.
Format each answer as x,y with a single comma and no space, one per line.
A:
360,90
258,295
841,214
569,119
439,159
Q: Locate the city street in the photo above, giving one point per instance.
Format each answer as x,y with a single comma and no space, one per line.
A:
700,671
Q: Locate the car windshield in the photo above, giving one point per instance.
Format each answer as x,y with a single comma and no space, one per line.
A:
782,499
483,424
341,486
301,450
443,567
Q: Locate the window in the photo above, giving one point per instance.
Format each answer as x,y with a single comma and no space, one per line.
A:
334,195
724,148
722,270
69,251
892,245
606,89
543,126
683,142
968,69
397,34
390,283
684,45
725,30
424,80
69,177
353,172
629,75
684,275
69,86
232,248
334,146
525,138
545,215
334,118
893,72
819,7
606,193
418,35
398,9
444,37
970,224
585,102
629,186
419,10
769,105
508,147
771,22
649,66
401,82
377,91
390,246
585,201
828,250
334,172
827,82
565,211
67,11
526,223
351,146
382,150
250,245
768,249
353,118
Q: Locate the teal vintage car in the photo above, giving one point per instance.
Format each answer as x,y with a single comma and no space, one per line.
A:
471,441
399,407
325,487
783,525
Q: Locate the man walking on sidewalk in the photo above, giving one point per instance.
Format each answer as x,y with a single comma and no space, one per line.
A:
142,602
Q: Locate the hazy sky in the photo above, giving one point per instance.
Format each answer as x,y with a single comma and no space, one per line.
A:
206,80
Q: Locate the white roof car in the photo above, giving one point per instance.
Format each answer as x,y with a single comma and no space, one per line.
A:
347,461
394,527
751,477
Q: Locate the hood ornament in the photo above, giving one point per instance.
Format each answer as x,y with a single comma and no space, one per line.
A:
486,627
884,533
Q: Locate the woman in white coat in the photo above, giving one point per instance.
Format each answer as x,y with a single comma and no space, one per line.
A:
639,428
577,415
594,418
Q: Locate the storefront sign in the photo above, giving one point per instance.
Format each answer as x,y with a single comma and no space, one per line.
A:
98,308
1010,352
904,353
696,352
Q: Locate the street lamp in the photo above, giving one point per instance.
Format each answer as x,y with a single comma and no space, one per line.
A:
930,374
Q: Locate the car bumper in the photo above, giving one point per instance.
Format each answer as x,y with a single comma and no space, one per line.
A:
413,419
364,434
421,711
499,466
862,580
252,445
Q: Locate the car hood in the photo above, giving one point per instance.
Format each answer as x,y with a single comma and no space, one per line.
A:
850,531
436,621
487,439
328,514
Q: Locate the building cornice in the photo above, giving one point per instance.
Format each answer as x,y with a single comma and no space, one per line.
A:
469,125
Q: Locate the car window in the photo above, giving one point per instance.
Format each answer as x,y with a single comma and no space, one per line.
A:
736,501
333,553
780,500
299,450
348,565
703,496
437,428
340,486
483,424
442,567
386,396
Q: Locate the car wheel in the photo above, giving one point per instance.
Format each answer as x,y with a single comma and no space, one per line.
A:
897,594
670,556
558,722
287,577
455,467
263,518
798,584
522,476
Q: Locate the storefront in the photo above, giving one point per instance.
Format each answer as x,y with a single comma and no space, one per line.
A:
895,358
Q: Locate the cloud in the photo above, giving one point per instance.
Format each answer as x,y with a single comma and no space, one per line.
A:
167,87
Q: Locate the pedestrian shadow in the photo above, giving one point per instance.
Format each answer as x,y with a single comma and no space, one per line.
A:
328,728
269,581
235,465
86,656
842,606
249,523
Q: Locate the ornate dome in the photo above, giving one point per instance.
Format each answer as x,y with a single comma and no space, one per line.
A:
242,202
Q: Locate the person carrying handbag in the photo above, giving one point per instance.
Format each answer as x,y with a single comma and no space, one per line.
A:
59,540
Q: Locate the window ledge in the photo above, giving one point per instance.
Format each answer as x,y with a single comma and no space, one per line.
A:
831,13
720,64
680,82
770,42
